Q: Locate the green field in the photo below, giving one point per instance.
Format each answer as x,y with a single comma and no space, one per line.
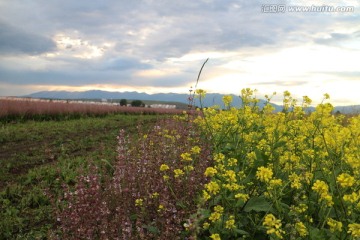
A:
37,157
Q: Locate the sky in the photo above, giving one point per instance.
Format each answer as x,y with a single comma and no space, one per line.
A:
158,46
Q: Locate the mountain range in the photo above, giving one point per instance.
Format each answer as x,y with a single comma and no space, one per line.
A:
210,99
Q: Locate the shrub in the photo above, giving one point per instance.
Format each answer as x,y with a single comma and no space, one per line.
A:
137,103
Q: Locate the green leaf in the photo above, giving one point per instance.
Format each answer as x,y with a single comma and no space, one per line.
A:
257,204
242,232
316,234
152,229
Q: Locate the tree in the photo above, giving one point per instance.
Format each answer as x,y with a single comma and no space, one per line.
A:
123,102
137,103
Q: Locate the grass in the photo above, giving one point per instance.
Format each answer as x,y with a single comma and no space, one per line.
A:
38,157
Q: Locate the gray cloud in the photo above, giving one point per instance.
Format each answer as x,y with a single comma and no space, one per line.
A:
146,33
122,64
335,38
15,40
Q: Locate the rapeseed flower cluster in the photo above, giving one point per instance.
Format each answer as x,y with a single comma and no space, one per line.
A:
299,166
273,226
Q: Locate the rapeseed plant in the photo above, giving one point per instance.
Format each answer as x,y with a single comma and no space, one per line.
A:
298,166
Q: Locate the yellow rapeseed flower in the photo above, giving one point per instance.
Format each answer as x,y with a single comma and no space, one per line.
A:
155,195
295,181
219,157
215,236
232,162
322,189
195,150
206,195
186,157
230,223
212,187
273,225
214,216
210,172
335,226
264,174
178,173
345,180
200,92
189,168
242,196
164,167
301,229
206,225
352,198
227,99
139,202
160,208
354,229
231,175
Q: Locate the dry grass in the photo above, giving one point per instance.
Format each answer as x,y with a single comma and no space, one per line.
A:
10,108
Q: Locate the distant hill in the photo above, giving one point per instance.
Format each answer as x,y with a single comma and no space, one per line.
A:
169,98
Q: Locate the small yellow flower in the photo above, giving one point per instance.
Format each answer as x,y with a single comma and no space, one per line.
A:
295,181
215,236
322,189
273,225
264,174
160,208
178,173
242,196
301,229
345,180
231,175
206,225
206,195
227,100
155,195
230,223
166,177
354,229
139,202
186,157
219,157
164,167
195,150
334,225
212,187
352,198
219,209
210,172
214,216
189,168
232,162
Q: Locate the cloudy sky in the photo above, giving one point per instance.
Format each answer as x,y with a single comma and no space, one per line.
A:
159,46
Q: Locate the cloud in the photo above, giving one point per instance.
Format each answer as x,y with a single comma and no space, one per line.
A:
337,39
122,64
15,40
162,43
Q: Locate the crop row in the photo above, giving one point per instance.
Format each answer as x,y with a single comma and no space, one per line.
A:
26,109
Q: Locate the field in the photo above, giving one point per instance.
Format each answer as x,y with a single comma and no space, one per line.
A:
241,172
40,155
